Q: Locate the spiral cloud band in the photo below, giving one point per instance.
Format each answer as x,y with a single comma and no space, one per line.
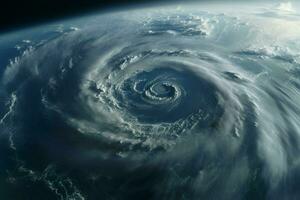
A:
174,103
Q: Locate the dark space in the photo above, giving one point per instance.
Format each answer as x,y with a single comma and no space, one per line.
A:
17,14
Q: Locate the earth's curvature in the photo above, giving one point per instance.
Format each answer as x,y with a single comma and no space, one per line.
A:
180,102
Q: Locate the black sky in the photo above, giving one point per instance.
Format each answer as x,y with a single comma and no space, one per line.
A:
16,14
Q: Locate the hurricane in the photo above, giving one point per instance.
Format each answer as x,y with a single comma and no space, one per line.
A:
179,102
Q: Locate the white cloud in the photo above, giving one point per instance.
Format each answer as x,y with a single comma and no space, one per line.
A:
285,7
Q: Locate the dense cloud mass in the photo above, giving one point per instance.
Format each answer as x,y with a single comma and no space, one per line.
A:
164,103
